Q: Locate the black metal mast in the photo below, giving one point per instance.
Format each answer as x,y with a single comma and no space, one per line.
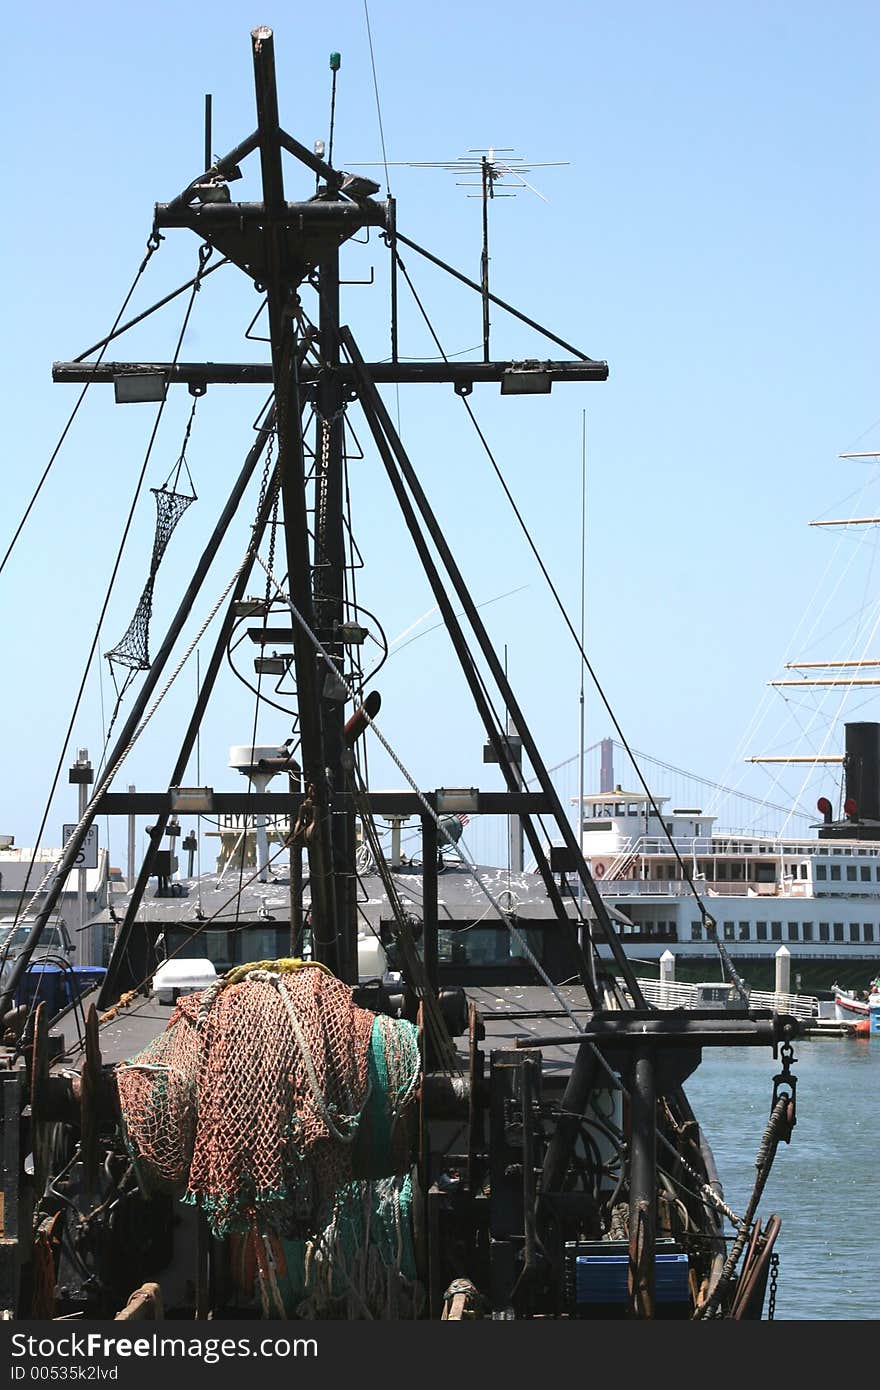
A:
279,245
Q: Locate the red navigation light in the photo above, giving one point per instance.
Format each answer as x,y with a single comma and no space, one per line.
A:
850,808
824,805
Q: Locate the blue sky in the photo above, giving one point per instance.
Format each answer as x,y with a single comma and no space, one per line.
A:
712,235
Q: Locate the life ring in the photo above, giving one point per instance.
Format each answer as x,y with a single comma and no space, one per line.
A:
598,870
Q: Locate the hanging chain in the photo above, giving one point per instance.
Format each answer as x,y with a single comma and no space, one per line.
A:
272,530
774,1281
321,508
264,482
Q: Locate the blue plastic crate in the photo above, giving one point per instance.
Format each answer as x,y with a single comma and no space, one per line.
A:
604,1279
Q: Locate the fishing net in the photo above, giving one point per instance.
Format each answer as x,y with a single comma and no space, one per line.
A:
361,1264
251,1101
133,650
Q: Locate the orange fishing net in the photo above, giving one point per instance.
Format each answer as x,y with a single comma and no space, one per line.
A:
251,1097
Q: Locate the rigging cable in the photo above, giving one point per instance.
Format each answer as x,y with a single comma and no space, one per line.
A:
457,847
203,258
152,245
105,784
271,485
378,107
708,920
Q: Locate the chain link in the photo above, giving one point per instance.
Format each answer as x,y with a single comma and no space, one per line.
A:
264,482
321,508
774,1280
273,525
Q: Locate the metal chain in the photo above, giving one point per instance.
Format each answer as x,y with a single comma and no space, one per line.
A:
264,482
774,1280
321,508
273,526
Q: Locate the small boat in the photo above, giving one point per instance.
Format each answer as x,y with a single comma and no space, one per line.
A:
850,1007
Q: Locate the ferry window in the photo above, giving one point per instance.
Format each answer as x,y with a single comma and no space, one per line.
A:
632,809
850,873
696,931
865,873
808,931
792,931
744,933
823,931
619,808
853,931
838,931
775,931
728,931
821,872
803,870
737,871
868,931
835,871
698,829
761,931
721,871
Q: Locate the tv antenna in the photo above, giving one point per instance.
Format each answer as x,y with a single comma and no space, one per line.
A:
496,173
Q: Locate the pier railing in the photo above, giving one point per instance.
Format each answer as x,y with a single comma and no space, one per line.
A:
674,995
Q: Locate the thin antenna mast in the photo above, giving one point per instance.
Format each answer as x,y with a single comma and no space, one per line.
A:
488,172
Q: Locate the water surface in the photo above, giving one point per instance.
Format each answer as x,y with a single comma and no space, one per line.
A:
824,1184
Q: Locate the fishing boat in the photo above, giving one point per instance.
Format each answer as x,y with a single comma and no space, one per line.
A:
849,1007
329,1083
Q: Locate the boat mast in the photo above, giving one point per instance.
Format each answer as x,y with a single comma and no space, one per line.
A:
279,245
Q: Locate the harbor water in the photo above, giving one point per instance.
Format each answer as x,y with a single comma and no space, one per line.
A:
824,1184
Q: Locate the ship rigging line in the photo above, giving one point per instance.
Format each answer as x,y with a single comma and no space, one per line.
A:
435,1024
682,772
139,318
152,245
708,920
204,253
462,853
108,778
378,107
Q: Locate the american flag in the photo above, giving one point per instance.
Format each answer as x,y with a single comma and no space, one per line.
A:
460,816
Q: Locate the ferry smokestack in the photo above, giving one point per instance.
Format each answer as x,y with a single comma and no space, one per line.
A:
862,769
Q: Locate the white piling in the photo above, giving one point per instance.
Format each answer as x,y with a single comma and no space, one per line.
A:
783,970
667,976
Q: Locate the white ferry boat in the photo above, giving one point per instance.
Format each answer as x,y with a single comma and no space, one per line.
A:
819,897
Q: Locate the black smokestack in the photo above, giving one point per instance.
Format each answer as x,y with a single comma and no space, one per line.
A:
863,769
